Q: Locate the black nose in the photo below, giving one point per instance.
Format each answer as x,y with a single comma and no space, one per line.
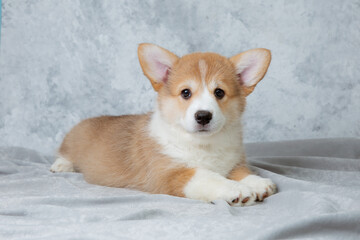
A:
203,117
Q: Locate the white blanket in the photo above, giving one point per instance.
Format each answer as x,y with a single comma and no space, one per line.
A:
319,198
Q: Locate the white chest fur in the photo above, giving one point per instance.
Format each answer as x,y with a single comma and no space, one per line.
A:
218,153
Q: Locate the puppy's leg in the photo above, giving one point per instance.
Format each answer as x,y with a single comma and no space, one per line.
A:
210,186
263,187
62,165
239,173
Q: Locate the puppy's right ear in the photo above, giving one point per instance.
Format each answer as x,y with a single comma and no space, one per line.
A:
156,63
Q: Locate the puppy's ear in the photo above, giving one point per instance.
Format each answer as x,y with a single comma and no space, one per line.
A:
251,67
156,63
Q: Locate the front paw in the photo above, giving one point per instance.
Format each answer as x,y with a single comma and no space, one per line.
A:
262,187
209,186
237,195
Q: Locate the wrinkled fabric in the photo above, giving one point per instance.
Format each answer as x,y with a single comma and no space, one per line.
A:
318,198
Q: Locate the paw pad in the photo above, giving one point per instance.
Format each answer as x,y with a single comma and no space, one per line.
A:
245,200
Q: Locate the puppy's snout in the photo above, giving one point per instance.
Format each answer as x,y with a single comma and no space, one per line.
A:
203,117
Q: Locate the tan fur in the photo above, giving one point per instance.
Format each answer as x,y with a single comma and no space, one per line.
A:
117,151
239,173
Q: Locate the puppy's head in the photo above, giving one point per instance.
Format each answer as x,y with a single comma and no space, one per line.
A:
202,92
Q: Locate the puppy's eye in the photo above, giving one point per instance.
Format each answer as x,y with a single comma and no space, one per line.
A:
186,93
219,93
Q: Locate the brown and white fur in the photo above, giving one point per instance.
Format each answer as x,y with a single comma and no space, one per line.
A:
171,150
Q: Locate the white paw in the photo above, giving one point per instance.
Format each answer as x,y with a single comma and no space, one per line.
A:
238,195
262,187
62,165
209,186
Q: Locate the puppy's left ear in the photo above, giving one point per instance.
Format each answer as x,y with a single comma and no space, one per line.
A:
251,67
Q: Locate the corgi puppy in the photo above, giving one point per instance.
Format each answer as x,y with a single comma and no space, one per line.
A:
191,145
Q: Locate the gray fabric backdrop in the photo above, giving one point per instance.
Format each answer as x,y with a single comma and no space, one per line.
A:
62,61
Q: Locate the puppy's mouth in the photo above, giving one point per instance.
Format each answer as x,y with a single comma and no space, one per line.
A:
207,130
203,129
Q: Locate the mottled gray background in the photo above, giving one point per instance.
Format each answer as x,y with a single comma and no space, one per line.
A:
62,61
